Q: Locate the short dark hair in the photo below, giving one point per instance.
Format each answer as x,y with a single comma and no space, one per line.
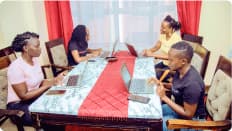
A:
79,33
173,23
185,48
21,39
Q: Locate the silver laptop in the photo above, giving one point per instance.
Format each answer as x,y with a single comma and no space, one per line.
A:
105,54
135,86
76,80
132,50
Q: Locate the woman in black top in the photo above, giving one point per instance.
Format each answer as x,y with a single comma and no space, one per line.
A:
78,50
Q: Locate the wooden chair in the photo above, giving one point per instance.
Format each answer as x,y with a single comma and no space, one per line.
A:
57,56
6,55
201,54
192,38
200,58
218,102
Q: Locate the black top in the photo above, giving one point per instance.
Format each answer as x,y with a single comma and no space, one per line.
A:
190,89
80,46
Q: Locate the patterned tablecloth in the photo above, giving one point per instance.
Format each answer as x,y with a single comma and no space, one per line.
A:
71,101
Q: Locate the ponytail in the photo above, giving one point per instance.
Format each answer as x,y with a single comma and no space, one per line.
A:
173,23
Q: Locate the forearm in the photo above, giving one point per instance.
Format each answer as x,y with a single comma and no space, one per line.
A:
34,93
156,47
177,108
93,50
82,58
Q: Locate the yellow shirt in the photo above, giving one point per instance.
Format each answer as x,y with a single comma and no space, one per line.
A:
166,44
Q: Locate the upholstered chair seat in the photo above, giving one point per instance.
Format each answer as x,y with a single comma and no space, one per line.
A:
59,56
3,88
219,96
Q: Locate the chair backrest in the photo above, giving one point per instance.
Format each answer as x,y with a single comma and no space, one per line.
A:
8,52
200,58
7,55
219,98
56,54
192,38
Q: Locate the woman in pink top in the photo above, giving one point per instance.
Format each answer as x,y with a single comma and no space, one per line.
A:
25,78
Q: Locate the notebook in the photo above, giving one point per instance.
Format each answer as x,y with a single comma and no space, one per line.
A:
135,86
105,54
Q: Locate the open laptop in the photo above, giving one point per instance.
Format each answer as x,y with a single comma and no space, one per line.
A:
75,80
135,86
105,54
132,50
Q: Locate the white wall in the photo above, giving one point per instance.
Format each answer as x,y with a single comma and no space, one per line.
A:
215,27
20,16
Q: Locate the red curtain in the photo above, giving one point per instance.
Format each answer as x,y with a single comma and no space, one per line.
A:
189,16
59,20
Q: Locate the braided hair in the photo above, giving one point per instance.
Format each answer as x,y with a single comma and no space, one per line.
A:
21,39
173,23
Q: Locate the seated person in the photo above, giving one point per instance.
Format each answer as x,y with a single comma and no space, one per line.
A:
25,77
167,38
188,87
78,46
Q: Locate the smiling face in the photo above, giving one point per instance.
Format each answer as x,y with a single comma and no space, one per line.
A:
165,28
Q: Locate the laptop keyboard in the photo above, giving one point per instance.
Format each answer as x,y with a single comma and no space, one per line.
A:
137,85
105,54
72,80
140,86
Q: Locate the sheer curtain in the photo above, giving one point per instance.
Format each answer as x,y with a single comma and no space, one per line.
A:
135,22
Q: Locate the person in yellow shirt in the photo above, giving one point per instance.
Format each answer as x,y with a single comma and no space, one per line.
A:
167,38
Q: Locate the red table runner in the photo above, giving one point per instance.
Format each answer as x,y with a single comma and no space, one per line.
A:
108,98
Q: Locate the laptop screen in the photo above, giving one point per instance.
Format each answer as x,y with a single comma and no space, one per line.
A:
125,75
132,50
114,47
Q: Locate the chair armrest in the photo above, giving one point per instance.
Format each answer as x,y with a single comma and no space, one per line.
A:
11,112
15,115
57,66
5,114
198,125
63,67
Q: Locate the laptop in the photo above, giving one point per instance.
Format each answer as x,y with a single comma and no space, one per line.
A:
105,54
135,86
132,50
75,80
